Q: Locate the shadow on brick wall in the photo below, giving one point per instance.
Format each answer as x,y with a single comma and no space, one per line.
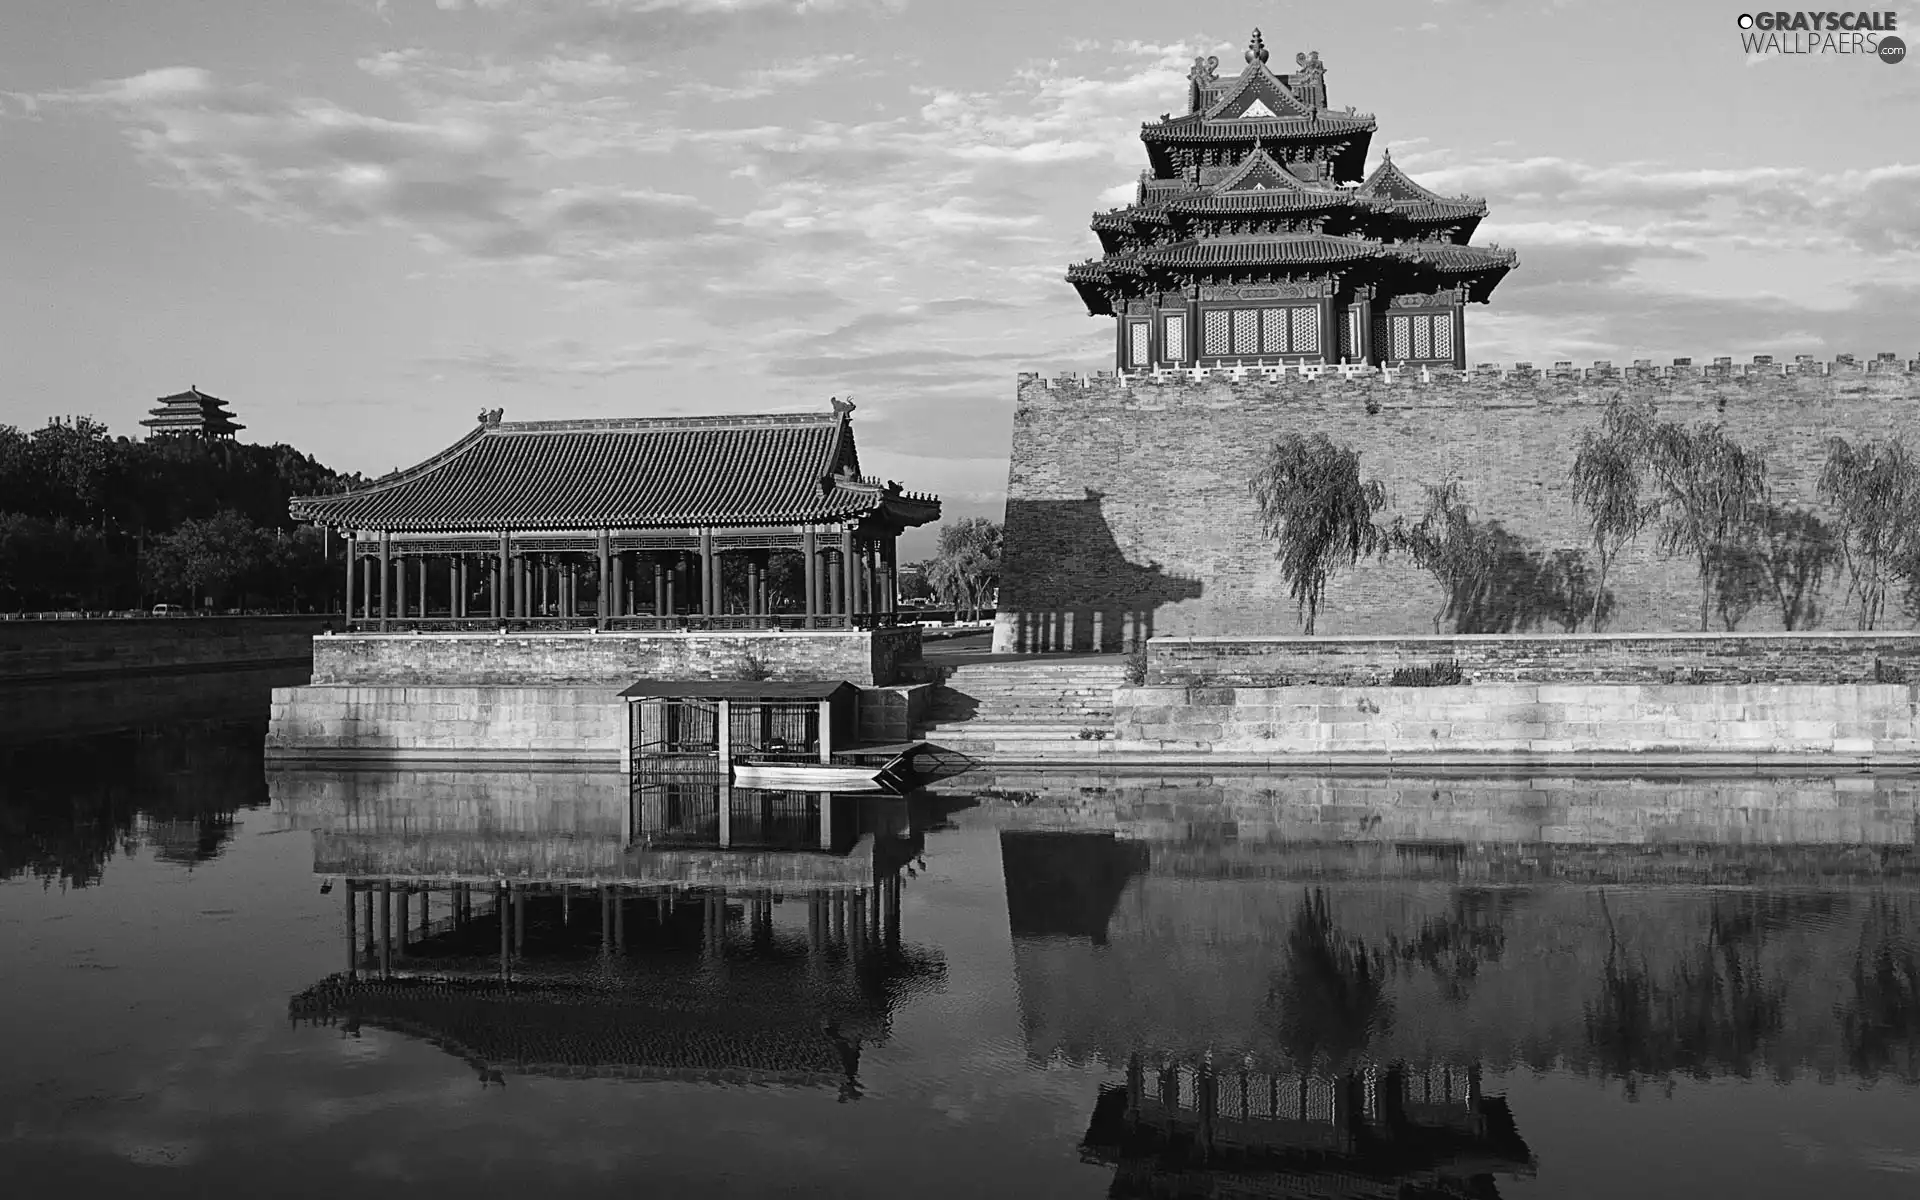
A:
1067,585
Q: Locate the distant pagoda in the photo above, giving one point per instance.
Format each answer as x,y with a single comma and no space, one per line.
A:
192,412
1250,242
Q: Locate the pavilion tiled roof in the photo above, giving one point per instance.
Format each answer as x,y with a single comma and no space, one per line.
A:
1197,128
1256,251
778,469
1448,258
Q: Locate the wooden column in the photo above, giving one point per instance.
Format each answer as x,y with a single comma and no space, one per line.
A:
810,551
426,566
609,579
851,571
673,601
462,588
346,604
659,588
502,572
522,587
1459,317
893,572
400,586
386,577
706,573
366,591
836,578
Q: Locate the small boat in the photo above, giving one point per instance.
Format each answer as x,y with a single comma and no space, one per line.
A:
803,777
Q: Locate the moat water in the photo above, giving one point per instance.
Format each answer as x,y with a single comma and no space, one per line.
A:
228,980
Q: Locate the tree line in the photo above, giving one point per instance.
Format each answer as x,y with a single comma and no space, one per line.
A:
93,522
1700,495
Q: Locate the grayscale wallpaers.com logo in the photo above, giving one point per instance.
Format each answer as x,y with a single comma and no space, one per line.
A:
1864,33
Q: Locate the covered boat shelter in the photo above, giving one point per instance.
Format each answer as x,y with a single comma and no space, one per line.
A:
702,725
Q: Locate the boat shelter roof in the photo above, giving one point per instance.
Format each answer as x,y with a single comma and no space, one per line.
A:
737,689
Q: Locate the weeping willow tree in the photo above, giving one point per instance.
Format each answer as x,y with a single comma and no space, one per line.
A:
1710,490
1318,512
1874,490
1606,486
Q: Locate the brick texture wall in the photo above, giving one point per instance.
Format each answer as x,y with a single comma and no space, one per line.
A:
37,650
1743,658
1128,510
876,658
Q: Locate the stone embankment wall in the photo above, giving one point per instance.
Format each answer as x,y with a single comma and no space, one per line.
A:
1736,658
81,649
1544,722
1128,510
532,724
878,658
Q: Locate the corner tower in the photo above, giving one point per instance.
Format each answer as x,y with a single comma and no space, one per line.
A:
1257,236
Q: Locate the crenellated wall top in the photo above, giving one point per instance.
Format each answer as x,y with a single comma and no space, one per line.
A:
1642,371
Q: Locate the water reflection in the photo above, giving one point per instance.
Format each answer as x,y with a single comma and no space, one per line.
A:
583,925
1276,962
69,805
1178,1129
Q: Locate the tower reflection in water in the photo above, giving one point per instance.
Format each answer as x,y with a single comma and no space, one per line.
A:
1282,1100
682,929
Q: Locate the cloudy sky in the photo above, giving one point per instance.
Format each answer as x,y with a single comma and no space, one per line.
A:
361,221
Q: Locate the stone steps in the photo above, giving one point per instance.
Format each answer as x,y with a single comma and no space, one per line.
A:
1032,709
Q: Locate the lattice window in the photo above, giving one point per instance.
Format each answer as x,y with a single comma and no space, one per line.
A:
1402,339
1217,336
1350,335
1443,336
1306,329
1141,349
1246,331
1274,329
1176,343
1423,337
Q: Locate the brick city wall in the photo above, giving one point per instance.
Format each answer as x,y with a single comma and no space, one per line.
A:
867,658
45,650
1730,658
1128,511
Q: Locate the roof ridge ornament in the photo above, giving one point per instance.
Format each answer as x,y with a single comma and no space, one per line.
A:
1256,49
490,417
840,407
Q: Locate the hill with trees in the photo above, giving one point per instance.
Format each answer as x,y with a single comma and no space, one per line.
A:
93,522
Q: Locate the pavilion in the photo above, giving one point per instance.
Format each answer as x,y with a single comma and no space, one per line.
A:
639,524
1257,237
192,413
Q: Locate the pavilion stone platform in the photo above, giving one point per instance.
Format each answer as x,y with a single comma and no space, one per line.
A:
555,697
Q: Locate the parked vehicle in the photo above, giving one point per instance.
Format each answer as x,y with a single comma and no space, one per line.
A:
168,610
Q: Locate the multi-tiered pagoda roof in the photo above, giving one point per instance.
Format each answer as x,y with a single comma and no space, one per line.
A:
1258,235
191,412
